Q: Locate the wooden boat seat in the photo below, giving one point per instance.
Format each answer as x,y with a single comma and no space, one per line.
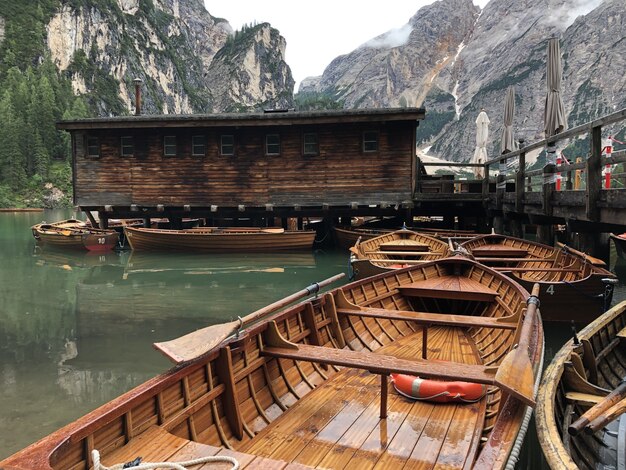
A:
499,251
403,253
157,445
373,362
621,333
403,245
449,287
338,426
428,318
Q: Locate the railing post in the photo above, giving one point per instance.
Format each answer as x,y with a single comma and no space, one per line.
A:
594,173
500,184
485,184
519,183
548,188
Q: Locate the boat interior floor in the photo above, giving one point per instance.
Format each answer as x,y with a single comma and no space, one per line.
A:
338,425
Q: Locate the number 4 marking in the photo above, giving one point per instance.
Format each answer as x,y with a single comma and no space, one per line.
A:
550,289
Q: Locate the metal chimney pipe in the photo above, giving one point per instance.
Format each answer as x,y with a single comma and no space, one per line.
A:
137,82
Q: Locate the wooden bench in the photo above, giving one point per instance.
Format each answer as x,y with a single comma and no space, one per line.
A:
157,445
449,287
403,253
499,250
428,318
408,245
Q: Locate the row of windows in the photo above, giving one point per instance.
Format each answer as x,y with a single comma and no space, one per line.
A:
310,145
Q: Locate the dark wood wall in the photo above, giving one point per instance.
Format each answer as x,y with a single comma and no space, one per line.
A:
341,174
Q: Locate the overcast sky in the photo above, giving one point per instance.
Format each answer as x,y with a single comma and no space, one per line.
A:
320,30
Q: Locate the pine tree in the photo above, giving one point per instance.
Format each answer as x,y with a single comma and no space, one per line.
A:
12,162
40,156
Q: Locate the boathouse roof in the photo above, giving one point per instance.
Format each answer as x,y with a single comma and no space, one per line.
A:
269,117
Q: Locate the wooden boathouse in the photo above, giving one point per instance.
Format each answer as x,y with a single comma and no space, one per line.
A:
256,166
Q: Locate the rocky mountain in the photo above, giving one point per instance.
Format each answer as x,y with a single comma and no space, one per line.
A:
398,68
463,59
189,61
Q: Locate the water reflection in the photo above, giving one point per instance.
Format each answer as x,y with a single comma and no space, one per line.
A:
76,328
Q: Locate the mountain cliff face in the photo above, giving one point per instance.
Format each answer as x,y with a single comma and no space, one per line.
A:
398,67
171,45
464,59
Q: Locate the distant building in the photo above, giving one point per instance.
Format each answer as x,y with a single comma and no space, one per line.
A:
225,162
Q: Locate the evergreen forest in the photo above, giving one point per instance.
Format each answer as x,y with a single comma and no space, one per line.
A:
35,166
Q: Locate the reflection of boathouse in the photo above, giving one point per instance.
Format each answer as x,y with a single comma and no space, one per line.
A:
273,164
182,293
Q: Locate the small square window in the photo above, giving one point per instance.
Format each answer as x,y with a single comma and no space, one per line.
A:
93,147
310,144
272,144
227,144
128,146
370,141
198,146
169,146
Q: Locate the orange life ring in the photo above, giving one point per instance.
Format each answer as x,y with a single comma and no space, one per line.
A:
437,390
398,266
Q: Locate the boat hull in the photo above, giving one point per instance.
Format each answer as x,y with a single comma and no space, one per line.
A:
75,234
620,245
243,395
574,287
214,241
394,250
569,388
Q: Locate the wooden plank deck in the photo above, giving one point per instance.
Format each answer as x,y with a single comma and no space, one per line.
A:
338,424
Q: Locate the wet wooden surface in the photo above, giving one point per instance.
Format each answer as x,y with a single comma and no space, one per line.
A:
338,424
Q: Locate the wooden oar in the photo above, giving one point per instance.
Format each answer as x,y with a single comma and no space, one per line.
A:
515,374
596,410
200,342
611,414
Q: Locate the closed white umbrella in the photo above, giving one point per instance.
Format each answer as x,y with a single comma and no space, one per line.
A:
482,133
554,113
507,143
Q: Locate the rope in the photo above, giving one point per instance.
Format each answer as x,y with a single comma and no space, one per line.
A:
136,465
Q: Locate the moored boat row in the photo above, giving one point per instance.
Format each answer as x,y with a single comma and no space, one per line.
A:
75,234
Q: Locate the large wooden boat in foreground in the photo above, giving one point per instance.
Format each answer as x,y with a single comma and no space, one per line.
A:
580,406
307,386
73,233
395,250
574,287
219,240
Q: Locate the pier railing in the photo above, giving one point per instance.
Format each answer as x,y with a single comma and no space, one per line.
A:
593,182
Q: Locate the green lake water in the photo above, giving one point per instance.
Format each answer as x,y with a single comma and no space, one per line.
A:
76,329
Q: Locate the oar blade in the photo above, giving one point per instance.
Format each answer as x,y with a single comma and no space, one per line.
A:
515,376
196,343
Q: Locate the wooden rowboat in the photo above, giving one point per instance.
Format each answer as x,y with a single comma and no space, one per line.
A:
219,240
306,387
395,250
580,405
573,286
76,234
346,237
